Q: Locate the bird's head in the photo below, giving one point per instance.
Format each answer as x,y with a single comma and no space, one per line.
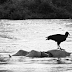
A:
67,33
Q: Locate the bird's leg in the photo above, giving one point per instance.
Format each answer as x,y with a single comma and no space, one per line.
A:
58,46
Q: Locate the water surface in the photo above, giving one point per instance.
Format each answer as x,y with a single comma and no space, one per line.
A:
30,35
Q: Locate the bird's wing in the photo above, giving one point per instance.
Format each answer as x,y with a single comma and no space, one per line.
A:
57,37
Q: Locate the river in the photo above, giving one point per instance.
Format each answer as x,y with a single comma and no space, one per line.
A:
31,35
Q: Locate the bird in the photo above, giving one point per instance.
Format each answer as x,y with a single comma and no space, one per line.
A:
58,38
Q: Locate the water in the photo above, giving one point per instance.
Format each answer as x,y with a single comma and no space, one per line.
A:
23,64
30,35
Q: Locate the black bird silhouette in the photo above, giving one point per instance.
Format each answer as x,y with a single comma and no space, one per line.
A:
58,38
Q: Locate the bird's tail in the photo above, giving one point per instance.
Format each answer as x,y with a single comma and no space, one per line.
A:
47,38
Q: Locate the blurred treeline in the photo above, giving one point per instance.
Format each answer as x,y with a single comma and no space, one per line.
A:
27,9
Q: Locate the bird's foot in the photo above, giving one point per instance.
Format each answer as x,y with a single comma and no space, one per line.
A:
62,49
59,48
